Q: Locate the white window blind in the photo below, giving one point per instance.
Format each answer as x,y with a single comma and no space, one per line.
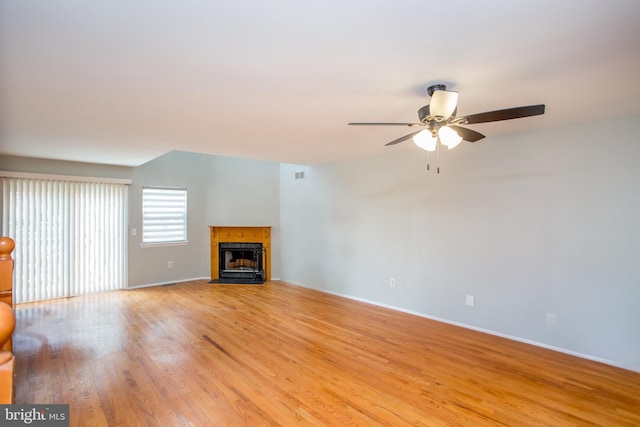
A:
164,215
70,236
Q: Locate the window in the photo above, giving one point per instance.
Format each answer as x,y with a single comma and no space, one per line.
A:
164,215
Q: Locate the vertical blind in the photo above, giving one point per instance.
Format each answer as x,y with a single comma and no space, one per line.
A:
70,236
164,215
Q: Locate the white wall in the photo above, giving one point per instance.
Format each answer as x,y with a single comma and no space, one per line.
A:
539,223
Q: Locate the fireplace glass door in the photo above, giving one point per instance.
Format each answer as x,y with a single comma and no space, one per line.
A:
241,262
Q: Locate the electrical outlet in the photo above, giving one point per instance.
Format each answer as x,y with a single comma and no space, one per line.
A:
551,319
170,264
392,282
469,300
134,231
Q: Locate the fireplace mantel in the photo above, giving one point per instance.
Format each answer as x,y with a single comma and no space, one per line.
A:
239,234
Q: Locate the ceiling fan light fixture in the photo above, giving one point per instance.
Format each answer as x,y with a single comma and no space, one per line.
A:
426,140
443,104
449,137
441,124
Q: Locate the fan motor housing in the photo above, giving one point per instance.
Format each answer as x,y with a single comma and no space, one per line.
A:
423,113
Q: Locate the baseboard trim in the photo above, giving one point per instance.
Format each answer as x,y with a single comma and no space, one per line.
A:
475,328
166,283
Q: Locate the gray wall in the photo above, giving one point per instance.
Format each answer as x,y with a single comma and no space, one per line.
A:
148,265
540,223
245,193
529,225
221,191
58,167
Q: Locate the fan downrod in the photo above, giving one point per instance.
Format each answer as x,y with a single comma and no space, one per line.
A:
434,88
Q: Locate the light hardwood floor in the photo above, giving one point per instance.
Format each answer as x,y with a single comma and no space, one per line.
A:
196,354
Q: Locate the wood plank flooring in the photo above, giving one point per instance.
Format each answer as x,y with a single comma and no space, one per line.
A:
196,354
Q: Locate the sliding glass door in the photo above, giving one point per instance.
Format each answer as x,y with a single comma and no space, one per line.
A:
70,236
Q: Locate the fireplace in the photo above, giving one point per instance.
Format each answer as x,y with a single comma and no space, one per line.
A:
241,262
240,254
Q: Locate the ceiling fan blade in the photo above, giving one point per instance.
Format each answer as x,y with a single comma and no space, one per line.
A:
404,138
386,124
467,134
443,104
506,114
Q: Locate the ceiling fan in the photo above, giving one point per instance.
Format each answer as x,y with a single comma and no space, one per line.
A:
441,124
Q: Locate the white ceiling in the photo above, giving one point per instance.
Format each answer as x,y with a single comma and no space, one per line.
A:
123,81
